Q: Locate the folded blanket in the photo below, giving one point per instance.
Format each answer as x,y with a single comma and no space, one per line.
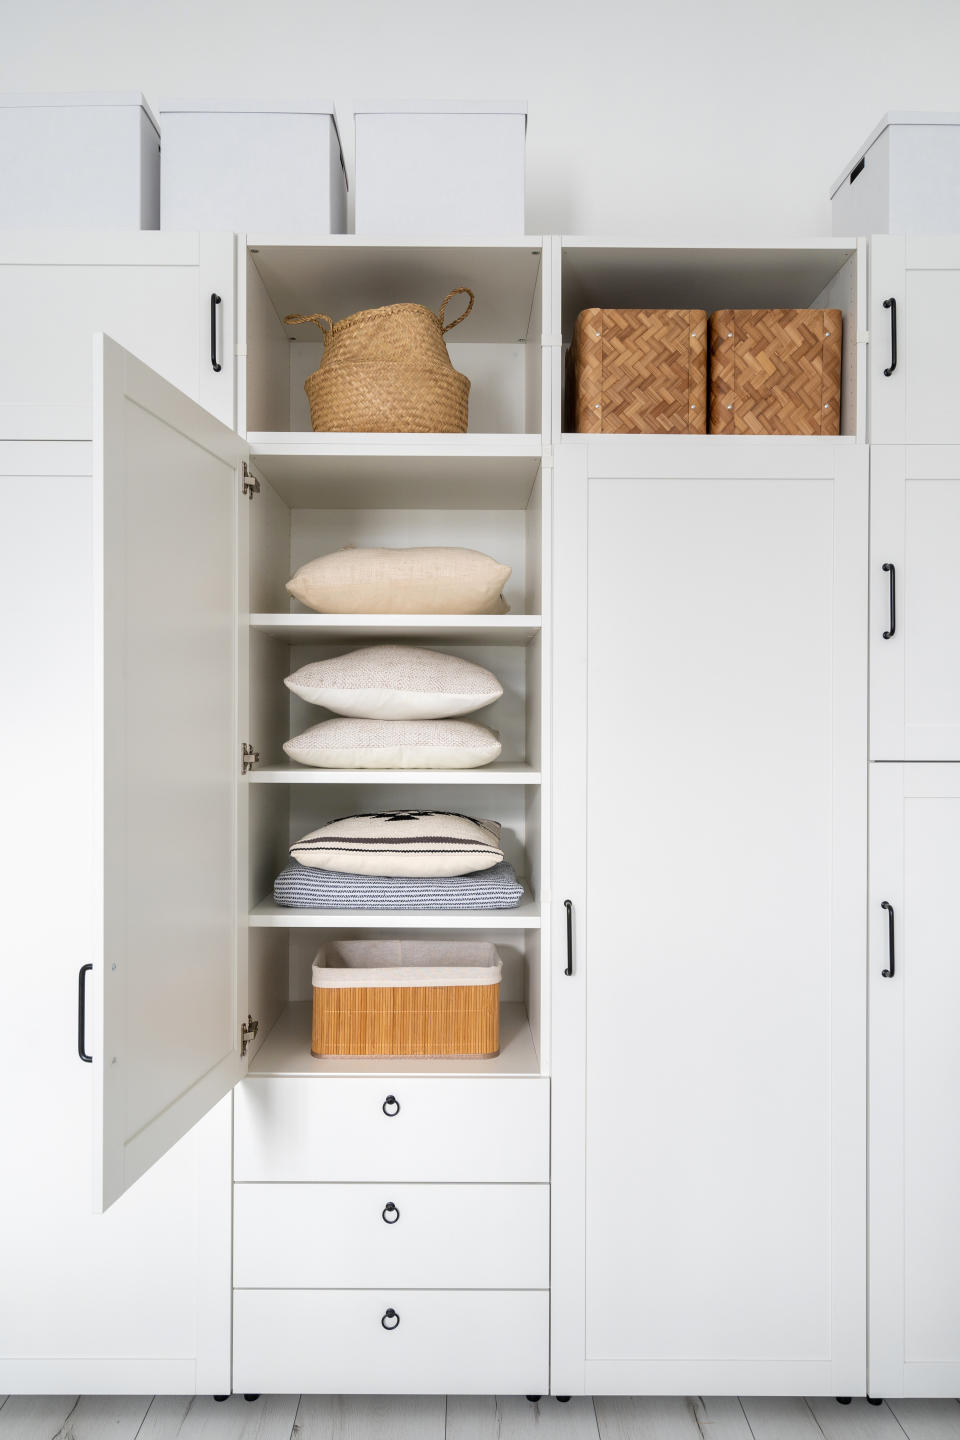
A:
301,885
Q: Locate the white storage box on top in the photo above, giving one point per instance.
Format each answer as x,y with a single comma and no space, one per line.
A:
904,179
79,162
439,167
252,165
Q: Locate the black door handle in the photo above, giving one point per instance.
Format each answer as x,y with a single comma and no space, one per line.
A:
891,570
82,1014
214,302
891,305
391,1106
390,1214
568,905
892,961
390,1319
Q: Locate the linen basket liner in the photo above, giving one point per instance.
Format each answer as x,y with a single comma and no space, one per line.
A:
405,976
405,963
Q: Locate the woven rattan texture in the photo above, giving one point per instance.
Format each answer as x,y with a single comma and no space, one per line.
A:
639,372
775,372
407,1020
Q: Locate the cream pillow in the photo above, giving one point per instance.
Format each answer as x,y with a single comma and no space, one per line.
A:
396,682
431,580
350,744
402,842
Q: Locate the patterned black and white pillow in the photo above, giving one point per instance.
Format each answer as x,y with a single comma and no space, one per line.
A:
402,842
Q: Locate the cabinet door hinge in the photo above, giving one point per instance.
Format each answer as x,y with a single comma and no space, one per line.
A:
247,1032
251,485
248,757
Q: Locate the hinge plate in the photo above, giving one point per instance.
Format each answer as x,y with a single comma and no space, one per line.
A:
251,485
247,1033
248,757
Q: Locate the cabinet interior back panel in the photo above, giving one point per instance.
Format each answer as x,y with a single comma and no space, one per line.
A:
710,837
929,970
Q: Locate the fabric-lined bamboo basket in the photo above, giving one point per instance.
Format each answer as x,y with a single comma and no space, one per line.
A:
775,372
388,370
638,372
406,997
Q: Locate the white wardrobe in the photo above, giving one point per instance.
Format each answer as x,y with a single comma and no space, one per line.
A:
716,1152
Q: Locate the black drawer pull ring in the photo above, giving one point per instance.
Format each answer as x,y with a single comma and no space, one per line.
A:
891,305
889,973
214,302
82,1015
390,1213
390,1320
891,570
391,1106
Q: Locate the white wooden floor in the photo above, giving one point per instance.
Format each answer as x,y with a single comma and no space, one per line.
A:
325,1417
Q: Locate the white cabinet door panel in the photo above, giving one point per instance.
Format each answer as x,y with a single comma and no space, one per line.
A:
917,403
711,832
149,291
914,1081
915,605
168,994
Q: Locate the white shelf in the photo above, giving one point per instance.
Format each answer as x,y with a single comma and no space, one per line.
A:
345,273
446,629
500,772
286,1051
398,472
525,916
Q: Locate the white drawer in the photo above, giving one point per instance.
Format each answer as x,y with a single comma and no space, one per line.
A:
346,1128
454,1342
484,1237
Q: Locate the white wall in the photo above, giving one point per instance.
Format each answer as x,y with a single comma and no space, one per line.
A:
663,118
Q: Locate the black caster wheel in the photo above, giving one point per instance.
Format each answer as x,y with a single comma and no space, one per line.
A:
220,1398
251,1397
843,1399
871,1401
533,1398
563,1399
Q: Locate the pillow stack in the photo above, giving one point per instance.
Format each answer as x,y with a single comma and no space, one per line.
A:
400,860
397,709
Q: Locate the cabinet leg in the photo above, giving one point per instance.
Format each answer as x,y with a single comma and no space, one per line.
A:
563,1399
871,1401
533,1398
220,1398
251,1397
843,1399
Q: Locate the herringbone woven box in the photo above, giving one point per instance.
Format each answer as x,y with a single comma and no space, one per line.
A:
638,372
775,372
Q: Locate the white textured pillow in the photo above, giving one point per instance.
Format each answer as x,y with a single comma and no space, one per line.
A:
430,580
402,842
396,682
348,744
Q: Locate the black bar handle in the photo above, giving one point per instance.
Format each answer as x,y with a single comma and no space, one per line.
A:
82,1015
214,302
889,973
568,905
891,570
891,305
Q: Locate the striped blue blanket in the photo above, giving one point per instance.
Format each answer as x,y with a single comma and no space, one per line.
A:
301,885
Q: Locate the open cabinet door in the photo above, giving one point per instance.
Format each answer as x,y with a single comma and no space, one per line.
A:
170,989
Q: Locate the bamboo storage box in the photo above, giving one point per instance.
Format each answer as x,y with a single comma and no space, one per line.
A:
638,372
775,372
406,997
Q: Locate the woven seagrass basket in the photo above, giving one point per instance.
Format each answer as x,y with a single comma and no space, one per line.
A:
402,997
775,372
388,370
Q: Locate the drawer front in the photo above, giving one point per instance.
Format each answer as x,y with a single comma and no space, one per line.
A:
452,1342
360,1128
484,1237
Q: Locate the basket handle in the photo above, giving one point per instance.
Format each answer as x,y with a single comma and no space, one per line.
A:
460,290
305,319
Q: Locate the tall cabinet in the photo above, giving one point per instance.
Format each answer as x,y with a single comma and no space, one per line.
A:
914,953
